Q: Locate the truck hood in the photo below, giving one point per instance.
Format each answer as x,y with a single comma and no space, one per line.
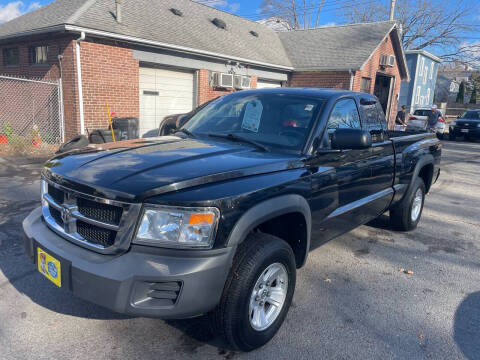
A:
133,170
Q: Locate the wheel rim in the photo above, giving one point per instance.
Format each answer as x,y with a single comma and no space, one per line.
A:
417,204
268,296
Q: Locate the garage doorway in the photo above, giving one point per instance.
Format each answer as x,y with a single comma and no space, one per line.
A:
163,92
266,84
383,91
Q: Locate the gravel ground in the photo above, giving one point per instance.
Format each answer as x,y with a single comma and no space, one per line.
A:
351,301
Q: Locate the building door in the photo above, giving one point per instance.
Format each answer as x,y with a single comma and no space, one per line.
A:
163,92
264,84
382,91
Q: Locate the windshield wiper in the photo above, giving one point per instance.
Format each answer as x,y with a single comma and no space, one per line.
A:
239,139
186,132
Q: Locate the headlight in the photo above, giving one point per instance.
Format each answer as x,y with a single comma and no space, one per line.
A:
178,227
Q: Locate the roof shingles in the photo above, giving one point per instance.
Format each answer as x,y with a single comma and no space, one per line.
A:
327,48
335,47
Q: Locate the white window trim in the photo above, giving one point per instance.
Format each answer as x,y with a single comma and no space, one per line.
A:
417,96
428,97
431,70
422,64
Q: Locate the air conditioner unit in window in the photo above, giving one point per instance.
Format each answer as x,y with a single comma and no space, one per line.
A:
387,60
241,82
223,80
246,82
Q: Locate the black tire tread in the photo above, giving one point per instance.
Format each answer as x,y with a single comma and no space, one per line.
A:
400,214
246,258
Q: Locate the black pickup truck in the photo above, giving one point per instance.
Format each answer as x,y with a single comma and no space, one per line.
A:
218,218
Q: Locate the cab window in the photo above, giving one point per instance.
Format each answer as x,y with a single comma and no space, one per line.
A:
374,120
343,116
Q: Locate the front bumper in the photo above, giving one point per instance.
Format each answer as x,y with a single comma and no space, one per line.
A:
473,132
129,283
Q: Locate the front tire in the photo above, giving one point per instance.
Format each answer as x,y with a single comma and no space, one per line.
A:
451,136
258,292
407,214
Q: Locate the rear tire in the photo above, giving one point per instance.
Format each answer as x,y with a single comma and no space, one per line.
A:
263,271
407,214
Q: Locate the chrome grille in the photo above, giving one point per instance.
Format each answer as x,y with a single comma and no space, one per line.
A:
96,234
100,212
100,224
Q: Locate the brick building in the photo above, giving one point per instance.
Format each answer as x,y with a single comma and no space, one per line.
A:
148,59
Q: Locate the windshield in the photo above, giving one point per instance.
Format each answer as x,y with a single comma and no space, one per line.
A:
279,121
474,115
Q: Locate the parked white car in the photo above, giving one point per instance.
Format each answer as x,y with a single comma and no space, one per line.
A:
419,120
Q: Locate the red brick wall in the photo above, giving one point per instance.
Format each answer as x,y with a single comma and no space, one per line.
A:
207,92
109,76
63,45
373,66
48,71
320,79
341,80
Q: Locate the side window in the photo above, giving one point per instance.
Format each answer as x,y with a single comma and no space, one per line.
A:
374,121
365,85
343,116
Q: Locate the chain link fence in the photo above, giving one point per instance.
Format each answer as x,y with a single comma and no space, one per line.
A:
31,116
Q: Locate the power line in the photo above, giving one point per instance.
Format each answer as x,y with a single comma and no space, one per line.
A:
328,5
300,11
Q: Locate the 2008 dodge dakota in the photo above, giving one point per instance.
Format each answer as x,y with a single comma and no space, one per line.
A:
217,218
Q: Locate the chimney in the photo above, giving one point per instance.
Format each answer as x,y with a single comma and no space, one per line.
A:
118,13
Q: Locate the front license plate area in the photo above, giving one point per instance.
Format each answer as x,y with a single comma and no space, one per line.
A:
49,267
464,130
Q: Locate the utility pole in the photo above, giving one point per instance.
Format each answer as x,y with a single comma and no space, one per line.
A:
392,9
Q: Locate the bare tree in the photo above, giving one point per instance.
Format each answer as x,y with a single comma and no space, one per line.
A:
298,14
437,25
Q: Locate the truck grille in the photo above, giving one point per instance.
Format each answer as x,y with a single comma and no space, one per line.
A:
100,212
96,234
86,220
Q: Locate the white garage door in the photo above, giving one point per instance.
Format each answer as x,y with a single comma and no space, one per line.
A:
163,92
263,84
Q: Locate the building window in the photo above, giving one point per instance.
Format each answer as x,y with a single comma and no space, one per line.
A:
428,97
431,71
422,64
417,97
365,85
38,54
10,57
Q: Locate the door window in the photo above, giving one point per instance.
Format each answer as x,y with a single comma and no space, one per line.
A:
365,85
343,116
374,121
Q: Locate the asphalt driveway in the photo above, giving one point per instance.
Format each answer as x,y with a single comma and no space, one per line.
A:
355,299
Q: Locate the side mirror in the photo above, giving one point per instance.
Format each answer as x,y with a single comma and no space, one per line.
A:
343,139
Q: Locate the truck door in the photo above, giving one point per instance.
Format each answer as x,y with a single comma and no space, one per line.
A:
382,160
352,172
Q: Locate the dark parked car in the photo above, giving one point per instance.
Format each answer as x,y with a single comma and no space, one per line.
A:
466,125
219,218
171,123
